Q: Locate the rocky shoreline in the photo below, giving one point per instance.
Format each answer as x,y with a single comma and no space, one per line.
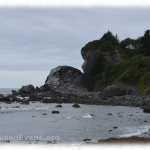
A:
46,95
66,84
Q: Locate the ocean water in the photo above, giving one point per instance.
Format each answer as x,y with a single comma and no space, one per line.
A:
35,123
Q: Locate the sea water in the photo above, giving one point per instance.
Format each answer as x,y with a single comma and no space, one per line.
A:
35,123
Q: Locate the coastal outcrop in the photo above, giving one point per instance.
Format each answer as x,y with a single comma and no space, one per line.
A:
66,78
118,76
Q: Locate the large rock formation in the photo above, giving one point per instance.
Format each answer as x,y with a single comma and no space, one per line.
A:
90,54
66,78
115,90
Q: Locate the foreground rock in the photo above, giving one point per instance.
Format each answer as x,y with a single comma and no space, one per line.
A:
55,112
58,106
146,110
76,106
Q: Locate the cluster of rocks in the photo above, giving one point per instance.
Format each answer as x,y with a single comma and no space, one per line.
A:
64,84
46,95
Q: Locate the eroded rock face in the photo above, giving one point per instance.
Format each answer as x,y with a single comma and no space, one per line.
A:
89,55
66,78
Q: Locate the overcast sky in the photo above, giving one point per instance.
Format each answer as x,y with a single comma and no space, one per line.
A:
35,40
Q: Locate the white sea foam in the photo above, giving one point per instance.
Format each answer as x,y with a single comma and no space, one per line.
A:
86,115
19,97
68,117
133,131
41,108
25,98
47,97
22,109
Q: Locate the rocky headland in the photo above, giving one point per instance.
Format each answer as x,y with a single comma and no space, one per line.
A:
113,82
65,84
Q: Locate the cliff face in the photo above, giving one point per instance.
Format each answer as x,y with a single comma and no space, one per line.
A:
90,54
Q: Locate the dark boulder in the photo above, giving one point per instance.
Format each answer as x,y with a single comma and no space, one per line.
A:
146,110
86,140
4,99
1,95
8,102
44,114
55,112
35,97
27,89
25,103
15,93
58,106
47,100
76,106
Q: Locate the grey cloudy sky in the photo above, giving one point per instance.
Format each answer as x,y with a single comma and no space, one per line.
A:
35,40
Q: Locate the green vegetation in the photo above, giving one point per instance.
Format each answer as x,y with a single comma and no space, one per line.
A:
134,70
107,43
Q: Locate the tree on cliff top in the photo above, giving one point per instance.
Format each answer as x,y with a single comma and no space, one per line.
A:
106,43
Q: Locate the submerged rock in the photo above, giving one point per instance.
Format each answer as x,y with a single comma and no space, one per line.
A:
47,100
58,106
109,114
8,102
25,103
55,112
76,106
44,114
115,127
